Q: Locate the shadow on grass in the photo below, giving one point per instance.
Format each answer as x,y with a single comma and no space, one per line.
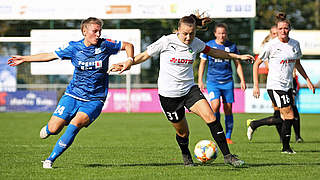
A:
301,151
278,142
156,164
283,164
133,165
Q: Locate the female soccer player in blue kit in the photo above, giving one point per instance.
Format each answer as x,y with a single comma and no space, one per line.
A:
219,77
84,97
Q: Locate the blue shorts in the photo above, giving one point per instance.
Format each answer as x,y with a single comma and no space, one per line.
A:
69,106
224,90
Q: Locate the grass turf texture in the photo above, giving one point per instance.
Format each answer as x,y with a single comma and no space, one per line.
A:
143,146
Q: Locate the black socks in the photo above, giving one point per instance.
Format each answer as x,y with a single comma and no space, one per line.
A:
296,122
219,136
271,120
183,144
286,133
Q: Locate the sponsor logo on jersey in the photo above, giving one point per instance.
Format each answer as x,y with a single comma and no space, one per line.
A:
287,61
181,61
90,65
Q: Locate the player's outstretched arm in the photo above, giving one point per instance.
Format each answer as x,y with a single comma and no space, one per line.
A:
126,65
42,57
304,75
128,47
217,53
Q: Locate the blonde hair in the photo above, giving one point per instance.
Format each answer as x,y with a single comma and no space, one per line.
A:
269,37
90,20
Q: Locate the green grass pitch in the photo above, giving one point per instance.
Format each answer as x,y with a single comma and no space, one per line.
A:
142,146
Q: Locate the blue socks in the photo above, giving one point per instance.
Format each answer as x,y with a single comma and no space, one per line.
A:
64,142
47,129
229,125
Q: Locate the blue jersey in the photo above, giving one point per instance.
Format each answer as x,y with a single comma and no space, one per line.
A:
219,70
90,78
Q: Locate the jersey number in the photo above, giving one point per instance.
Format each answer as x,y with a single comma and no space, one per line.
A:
59,110
285,99
172,116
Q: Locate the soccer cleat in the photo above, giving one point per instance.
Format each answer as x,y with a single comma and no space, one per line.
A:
43,133
229,141
187,159
249,121
233,160
250,133
288,151
47,164
299,140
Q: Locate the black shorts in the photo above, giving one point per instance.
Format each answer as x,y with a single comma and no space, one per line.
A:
174,107
281,98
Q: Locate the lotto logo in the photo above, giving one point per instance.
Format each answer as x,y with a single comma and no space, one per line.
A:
288,61
181,61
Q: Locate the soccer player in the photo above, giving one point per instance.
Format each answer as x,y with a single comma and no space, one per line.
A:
84,97
283,54
219,77
176,86
276,120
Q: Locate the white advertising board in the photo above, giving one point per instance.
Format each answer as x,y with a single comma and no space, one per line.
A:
309,40
50,40
123,9
261,105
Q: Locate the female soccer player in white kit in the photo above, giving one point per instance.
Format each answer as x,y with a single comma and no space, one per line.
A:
176,86
283,54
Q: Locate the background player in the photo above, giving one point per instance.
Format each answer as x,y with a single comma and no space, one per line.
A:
219,77
176,86
84,97
276,120
283,54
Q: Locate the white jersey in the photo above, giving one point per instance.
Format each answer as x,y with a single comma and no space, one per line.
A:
176,59
281,58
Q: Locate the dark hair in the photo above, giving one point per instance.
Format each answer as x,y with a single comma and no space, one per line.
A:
220,25
90,20
282,17
195,20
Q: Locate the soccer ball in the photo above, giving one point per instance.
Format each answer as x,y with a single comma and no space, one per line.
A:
205,150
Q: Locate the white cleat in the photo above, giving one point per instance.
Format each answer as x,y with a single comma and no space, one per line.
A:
249,133
47,164
43,132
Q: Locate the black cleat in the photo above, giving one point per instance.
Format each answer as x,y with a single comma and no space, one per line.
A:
299,140
233,160
288,151
187,160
